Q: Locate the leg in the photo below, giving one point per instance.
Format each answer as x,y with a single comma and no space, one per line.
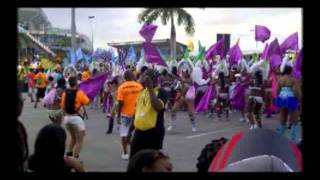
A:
80,137
73,139
227,108
37,98
30,91
249,113
124,129
258,113
110,127
175,108
191,114
124,143
283,119
294,126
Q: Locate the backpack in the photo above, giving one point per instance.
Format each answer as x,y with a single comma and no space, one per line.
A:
70,98
145,115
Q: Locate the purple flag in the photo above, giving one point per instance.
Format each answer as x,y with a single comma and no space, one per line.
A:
275,60
216,49
92,86
262,33
205,100
235,54
297,73
152,55
274,49
265,51
147,31
290,43
237,99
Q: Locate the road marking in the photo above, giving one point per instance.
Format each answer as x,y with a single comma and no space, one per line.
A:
218,131
214,132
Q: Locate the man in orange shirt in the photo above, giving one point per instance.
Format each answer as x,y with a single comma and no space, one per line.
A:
41,83
85,74
127,95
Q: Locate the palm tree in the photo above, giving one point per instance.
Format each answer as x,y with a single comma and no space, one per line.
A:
149,15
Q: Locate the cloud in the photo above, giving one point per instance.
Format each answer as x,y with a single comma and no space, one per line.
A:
120,24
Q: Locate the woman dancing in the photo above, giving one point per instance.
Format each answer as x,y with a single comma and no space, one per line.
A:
222,104
255,101
288,98
185,84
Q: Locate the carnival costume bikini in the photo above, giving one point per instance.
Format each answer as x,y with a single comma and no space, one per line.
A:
287,99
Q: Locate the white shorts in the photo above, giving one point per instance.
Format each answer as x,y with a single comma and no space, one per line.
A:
124,127
124,130
32,90
74,120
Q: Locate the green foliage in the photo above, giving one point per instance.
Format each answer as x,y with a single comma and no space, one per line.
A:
149,15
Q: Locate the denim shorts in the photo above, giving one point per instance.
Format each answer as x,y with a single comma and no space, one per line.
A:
125,120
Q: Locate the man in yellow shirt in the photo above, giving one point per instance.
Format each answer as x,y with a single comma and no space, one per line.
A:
41,84
127,95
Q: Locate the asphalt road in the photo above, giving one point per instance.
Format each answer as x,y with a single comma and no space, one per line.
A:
102,152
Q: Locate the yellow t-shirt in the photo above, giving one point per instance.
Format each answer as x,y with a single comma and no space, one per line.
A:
128,93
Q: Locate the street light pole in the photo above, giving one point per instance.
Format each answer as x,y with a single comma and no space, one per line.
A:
91,18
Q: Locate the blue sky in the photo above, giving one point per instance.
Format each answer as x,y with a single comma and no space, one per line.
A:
120,24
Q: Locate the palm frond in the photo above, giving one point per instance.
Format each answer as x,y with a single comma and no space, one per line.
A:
145,13
186,19
165,15
149,15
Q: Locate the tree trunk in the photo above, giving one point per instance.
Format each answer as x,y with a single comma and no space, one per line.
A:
73,29
173,40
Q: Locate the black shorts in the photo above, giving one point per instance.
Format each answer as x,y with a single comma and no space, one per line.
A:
41,92
142,140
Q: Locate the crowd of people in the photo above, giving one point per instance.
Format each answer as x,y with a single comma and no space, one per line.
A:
136,100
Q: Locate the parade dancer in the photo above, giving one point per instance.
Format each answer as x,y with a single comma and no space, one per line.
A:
255,101
73,99
54,110
288,98
31,84
222,103
165,83
41,83
182,98
112,103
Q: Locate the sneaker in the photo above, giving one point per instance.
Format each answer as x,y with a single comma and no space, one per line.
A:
170,128
242,120
193,128
125,156
251,127
255,126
